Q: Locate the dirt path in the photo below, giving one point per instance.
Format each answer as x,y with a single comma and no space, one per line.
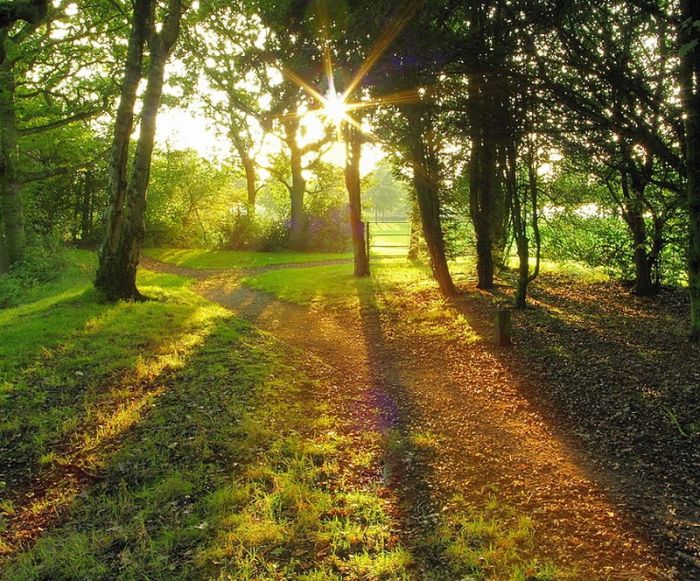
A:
490,439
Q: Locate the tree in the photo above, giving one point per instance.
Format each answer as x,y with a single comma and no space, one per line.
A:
423,152
125,231
689,41
49,78
353,149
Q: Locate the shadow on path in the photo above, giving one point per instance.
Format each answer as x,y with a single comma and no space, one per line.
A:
493,437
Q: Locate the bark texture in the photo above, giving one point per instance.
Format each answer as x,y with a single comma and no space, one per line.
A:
422,154
10,187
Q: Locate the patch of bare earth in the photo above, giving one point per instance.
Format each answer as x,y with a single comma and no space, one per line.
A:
586,424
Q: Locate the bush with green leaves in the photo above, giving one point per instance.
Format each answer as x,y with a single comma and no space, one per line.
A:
598,239
244,230
43,261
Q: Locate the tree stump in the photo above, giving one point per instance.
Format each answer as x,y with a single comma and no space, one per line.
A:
504,327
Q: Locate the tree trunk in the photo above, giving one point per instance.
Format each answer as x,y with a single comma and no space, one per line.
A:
10,187
248,167
111,267
298,189
353,150
643,284
250,182
117,272
425,181
690,96
523,246
482,169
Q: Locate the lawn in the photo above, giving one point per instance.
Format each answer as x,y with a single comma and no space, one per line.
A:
389,238
166,439
222,259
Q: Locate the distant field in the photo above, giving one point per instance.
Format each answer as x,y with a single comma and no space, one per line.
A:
389,238
201,258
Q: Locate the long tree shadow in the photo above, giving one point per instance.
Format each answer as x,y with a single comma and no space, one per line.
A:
73,399
448,539
230,468
614,380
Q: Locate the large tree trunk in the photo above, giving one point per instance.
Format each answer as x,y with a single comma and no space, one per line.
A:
426,183
10,187
633,213
111,260
353,150
482,170
690,95
116,276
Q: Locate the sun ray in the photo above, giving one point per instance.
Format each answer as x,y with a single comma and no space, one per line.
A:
301,82
380,47
334,106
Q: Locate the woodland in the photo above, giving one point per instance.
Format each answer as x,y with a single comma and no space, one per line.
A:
349,289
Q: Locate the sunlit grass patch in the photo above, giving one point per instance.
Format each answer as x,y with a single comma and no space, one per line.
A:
335,286
71,365
290,515
234,259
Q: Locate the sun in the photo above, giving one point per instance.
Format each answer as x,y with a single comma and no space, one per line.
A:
335,109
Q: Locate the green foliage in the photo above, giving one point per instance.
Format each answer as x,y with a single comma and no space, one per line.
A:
246,231
591,236
43,261
190,200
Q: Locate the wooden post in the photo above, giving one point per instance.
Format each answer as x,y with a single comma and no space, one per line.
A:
504,327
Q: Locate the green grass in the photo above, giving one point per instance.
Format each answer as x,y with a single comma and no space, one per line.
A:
223,259
215,459
389,238
335,285
568,268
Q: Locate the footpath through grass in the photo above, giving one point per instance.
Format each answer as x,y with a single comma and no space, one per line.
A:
170,440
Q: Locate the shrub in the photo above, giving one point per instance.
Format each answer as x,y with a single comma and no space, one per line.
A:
246,231
43,261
